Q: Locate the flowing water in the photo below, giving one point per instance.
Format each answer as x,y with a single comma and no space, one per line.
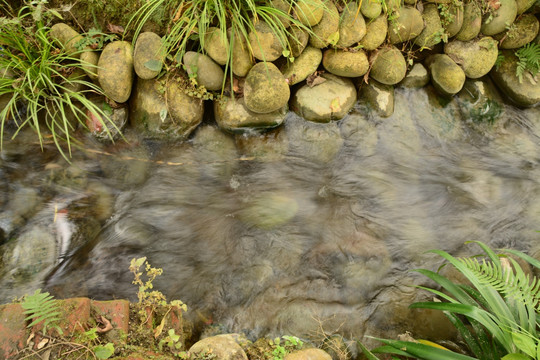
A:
309,229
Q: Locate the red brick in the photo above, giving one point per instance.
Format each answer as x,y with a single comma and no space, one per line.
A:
117,311
12,330
75,315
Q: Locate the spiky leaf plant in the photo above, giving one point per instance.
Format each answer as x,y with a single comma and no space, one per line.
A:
37,81
42,307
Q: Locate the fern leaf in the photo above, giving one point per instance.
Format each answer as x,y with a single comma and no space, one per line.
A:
41,307
528,60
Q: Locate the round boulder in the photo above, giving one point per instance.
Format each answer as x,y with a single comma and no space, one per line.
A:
329,100
327,30
223,347
408,25
309,12
265,89
148,55
476,57
115,70
524,5
308,354
447,77
427,37
284,6
375,33
379,97
496,21
303,66
346,63
525,92
216,45
388,66
417,77
89,63
204,70
352,27
264,43
241,61
472,22
453,19
371,8
298,40
66,36
522,32
232,115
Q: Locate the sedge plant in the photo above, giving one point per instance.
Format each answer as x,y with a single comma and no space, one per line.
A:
496,313
38,81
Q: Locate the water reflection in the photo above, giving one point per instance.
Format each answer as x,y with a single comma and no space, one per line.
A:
310,226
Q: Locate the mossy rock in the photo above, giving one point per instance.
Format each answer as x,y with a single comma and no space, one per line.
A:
298,40
232,115
268,211
408,25
352,27
472,22
286,8
68,37
417,77
388,66
447,77
371,9
346,63
216,45
523,31
223,347
326,31
309,12
148,55
524,5
264,42
524,93
476,57
375,33
241,61
496,22
89,63
431,35
453,20
265,89
303,66
115,70
380,97
204,70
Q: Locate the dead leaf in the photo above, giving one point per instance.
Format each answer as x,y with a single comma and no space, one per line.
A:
159,329
494,4
108,327
42,343
115,29
30,339
315,79
335,106
46,354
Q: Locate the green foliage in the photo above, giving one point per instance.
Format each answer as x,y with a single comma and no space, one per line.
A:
281,348
528,60
39,80
104,351
496,314
94,39
41,307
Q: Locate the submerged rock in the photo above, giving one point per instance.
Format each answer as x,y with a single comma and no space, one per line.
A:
472,22
233,115
497,21
269,210
417,77
346,63
352,27
523,31
380,97
326,32
375,33
388,66
265,89
303,66
204,70
148,55
447,77
115,70
330,100
476,57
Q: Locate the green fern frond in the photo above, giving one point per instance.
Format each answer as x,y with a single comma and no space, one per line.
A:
528,60
42,307
511,284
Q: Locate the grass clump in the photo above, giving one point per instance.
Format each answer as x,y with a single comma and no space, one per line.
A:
42,86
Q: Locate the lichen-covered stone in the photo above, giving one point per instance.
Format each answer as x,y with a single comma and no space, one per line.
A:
408,25
371,8
453,21
388,66
66,36
472,22
523,31
524,5
447,77
232,115
223,347
115,119
379,97
204,70
375,33
346,63
115,70
216,45
327,30
417,77
298,40
308,354
430,36
264,43
476,57
524,93
148,55
503,16
286,8
352,27
241,61
330,100
89,63
303,66
265,89
309,12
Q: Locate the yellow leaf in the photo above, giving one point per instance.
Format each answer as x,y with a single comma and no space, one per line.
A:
335,105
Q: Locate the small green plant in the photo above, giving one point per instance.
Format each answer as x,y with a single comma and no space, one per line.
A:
282,348
528,60
94,39
172,340
42,307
